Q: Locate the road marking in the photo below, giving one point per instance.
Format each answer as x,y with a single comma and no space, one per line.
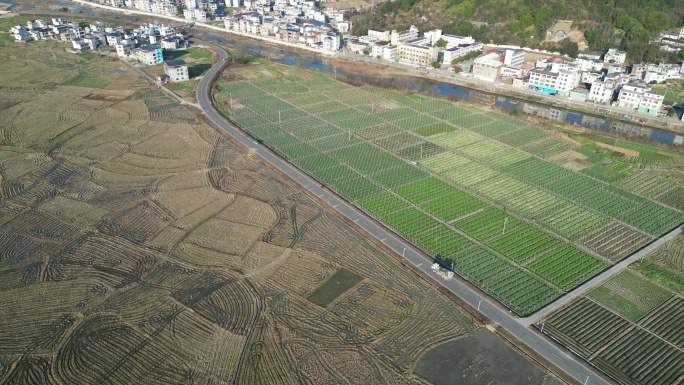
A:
356,220
335,206
420,264
383,239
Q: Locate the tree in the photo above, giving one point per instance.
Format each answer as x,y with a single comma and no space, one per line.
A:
441,43
541,19
179,11
365,52
525,18
671,112
458,70
435,64
64,9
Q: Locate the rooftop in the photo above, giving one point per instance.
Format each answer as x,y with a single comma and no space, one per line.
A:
174,63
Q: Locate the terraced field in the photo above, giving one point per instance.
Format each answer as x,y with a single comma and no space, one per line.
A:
140,246
455,179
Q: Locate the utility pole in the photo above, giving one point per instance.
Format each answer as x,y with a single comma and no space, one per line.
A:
478,304
231,99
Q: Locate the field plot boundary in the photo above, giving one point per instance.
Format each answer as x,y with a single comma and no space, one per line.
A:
350,134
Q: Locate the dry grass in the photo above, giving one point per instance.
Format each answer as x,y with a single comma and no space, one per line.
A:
159,252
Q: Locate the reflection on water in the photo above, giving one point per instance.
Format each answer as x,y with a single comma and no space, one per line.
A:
437,88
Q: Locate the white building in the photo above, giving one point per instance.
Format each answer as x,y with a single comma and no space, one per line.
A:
514,57
177,70
488,66
378,35
561,82
460,50
630,95
403,36
124,48
587,64
654,76
615,55
416,54
615,68
651,103
601,92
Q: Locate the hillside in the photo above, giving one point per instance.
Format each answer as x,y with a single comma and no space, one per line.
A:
627,24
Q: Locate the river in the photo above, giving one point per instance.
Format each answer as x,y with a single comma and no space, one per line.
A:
436,88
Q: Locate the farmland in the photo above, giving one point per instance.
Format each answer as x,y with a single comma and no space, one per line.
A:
452,178
639,310
144,247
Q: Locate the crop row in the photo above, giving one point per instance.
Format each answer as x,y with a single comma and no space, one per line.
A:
523,243
566,266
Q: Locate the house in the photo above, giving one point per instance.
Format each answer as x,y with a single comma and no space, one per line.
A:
544,80
652,77
651,103
560,30
460,50
630,95
177,70
403,36
124,48
589,55
601,92
615,56
169,43
378,35
514,57
488,66
378,47
331,42
615,68
590,77
113,38
416,54
149,54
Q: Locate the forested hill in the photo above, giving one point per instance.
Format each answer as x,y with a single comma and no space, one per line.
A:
626,24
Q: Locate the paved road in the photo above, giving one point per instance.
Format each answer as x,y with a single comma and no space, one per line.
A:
487,306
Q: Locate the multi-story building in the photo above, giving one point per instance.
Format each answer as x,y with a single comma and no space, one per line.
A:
403,36
177,70
460,50
331,42
544,80
651,77
651,103
148,54
124,48
488,66
514,57
630,95
378,35
615,55
416,54
601,92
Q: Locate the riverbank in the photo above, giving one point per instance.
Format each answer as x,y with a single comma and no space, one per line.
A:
129,11
373,68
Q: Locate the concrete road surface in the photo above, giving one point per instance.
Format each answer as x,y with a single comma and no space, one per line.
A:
572,366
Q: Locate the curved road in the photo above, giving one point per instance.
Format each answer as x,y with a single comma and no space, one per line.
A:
577,370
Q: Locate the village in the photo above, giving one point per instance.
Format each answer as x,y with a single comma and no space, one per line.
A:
599,78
